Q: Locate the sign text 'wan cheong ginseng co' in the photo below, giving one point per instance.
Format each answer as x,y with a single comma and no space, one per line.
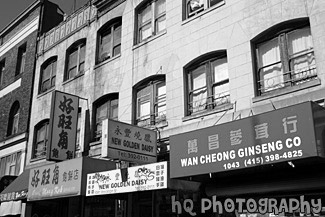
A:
280,135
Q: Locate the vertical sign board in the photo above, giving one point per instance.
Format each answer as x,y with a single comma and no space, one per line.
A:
131,143
63,126
55,180
140,178
281,135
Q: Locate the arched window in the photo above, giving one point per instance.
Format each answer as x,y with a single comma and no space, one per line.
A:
104,108
284,56
150,101
151,19
109,40
75,63
48,74
13,122
207,82
21,59
40,139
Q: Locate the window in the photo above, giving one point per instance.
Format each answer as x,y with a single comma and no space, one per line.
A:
109,41
75,60
40,139
21,59
2,70
151,103
194,7
151,19
48,74
13,122
10,165
106,107
287,59
207,83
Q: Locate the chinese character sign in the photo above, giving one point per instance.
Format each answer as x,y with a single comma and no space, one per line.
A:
63,126
139,178
131,143
55,180
281,135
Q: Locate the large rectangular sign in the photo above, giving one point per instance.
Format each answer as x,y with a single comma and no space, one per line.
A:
131,143
139,178
55,180
63,126
281,135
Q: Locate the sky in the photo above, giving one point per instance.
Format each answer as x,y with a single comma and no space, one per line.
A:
10,9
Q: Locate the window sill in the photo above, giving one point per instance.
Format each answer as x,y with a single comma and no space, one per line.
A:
149,39
46,92
95,143
18,76
162,124
12,138
187,20
37,159
74,78
106,61
208,112
286,90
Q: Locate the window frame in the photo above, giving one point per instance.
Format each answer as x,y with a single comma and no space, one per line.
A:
13,121
210,101
206,4
280,33
152,21
21,59
47,63
2,70
109,28
10,161
112,102
154,100
44,123
75,47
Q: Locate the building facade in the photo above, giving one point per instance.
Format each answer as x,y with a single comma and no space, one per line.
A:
176,67
18,51
17,54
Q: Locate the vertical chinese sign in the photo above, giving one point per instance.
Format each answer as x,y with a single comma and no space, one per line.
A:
63,126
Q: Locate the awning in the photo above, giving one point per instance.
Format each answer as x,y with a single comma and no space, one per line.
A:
5,181
183,185
17,190
10,208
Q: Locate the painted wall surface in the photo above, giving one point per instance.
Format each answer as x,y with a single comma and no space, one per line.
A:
230,27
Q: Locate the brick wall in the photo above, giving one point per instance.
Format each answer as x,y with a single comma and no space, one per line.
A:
23,93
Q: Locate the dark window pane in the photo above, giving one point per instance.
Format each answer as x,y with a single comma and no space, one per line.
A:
214,2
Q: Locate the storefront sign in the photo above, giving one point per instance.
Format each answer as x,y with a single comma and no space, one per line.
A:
130,143
63,126
139,178
55,180
281,135
17,195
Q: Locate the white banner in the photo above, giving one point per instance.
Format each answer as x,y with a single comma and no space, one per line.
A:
139,178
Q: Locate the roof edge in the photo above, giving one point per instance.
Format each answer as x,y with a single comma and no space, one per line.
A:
20,16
